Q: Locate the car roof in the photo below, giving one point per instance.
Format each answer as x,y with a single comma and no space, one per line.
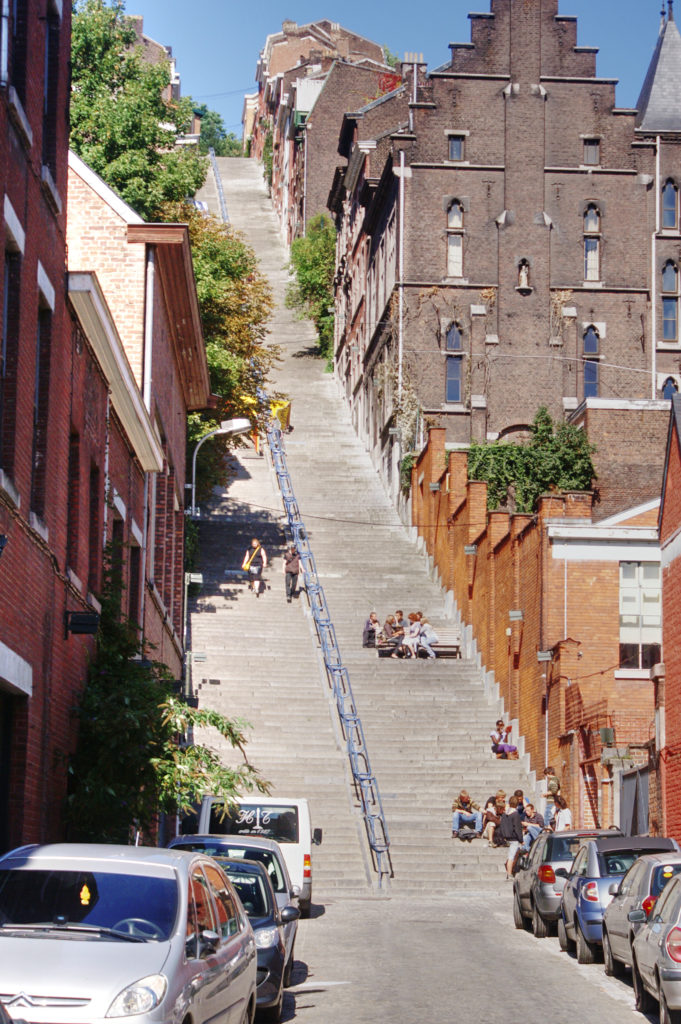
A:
660,857
105,855
272,800
653,843
587,833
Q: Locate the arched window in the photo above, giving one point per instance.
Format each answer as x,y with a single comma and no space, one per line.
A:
592,243
455,239
670,205
670,302
591,353
669,388
454,364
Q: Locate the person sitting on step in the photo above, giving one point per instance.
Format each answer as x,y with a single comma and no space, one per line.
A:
466,812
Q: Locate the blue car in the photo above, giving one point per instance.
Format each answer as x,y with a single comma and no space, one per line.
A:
596,872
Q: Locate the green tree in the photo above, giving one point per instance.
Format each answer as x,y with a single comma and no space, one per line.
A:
556,458
313,259
214,136
132,759
235,302
120,123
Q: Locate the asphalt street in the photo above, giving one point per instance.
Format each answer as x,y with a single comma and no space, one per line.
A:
442,960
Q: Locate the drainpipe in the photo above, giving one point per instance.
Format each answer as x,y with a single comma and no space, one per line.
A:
107,482
400,344
4,45
146,395
653,289
305,182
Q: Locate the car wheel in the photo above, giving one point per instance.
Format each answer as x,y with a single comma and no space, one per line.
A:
613,968
518,919
272,1014
642,997
586,951
667,1016
564,942
540,927
305,909
288,970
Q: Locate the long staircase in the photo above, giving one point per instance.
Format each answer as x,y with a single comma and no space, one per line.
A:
426,723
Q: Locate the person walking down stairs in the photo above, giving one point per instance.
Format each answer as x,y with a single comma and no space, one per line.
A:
255,560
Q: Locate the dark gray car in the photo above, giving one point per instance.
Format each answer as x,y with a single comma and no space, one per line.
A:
638,890
537,888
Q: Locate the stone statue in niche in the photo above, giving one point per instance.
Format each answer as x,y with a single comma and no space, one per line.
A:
524,274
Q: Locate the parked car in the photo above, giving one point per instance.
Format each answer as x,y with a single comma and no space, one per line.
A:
284,819
640,889
537,889
656,956
597,865
253,885
91,932
264,851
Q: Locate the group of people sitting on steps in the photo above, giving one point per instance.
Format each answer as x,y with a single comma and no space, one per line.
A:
406,638
514,823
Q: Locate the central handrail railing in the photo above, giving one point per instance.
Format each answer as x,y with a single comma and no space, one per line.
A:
337,675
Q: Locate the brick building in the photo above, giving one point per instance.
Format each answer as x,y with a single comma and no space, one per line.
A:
145,272
563,610
495,221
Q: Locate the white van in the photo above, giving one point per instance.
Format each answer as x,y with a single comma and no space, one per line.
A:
284,819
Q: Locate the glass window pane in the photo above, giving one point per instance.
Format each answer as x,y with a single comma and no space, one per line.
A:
453,338
454,256
670,388
592,219
628,572
590,379
669,278
456,147
592,149
453,382
591,342
629,655
669,319
669,205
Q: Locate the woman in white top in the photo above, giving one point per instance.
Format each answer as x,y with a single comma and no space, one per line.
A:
563,816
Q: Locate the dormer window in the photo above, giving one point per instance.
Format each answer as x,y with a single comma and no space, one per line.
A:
592,152
670,205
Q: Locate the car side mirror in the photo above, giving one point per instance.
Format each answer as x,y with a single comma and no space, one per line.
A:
636,916
289,913
523,863
613,889
209,941
561,873
317,837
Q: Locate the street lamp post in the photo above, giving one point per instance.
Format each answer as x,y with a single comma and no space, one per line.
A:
237,426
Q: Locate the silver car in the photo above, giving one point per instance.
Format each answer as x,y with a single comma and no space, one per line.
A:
640,889
89,933
656,956
265,851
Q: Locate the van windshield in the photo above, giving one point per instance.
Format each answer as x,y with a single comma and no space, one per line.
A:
274,821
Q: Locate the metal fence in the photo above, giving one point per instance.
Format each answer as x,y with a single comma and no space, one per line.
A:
218,182
337,675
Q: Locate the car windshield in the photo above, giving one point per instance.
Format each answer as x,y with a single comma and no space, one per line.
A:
563,848
98,899
661,875
617,862
251,889
273,821
223,848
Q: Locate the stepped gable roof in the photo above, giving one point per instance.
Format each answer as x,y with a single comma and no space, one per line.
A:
659,105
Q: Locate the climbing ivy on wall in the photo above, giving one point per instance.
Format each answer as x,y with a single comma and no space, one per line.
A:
556,458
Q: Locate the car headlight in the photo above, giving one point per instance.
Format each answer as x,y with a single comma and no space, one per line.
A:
140,997
265,937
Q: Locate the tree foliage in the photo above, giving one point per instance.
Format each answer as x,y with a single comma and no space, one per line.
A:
131,759
313,259
557,458
120,123
215,136
235,302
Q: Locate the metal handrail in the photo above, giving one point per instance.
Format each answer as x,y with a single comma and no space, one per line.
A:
218,182
337,674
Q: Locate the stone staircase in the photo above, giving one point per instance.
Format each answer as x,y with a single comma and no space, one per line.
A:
426,723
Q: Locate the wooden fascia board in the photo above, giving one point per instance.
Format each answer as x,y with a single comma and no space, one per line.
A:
95,317
179,290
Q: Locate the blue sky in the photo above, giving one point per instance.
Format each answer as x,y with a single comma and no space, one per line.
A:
217,42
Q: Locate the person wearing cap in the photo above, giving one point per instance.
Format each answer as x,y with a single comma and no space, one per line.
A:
466,812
